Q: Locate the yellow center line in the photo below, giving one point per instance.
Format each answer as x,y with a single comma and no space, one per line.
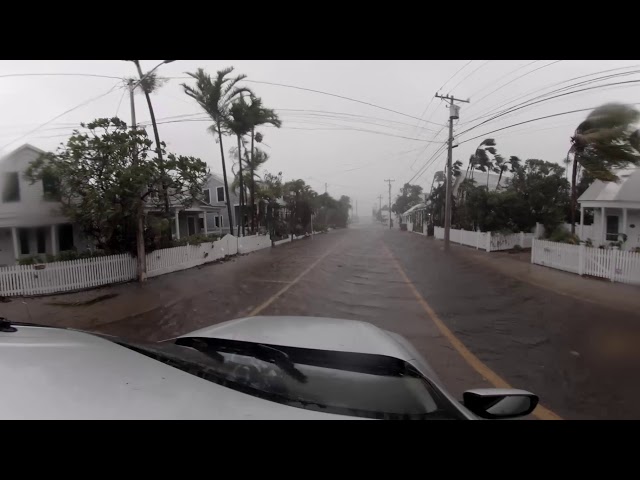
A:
492,377
280,292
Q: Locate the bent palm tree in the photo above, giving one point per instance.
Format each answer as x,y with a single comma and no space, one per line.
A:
238,123
215,98
604,142
258,115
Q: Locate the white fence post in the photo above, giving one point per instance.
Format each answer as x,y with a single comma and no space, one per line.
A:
533,249
581,259
613,258
522,239
488,241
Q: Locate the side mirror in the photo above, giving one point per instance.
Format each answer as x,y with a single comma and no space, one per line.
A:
500,402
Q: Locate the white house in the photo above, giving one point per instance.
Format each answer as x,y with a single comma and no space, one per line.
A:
30,222
616,209
480,179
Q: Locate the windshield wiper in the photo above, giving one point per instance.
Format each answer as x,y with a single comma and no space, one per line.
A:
211,347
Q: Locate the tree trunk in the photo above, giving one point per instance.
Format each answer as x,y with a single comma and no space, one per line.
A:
241,185
226,183
499,178
142,259
165,193
253,186
574,174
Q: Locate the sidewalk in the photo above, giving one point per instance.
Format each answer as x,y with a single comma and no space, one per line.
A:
91,308
618,296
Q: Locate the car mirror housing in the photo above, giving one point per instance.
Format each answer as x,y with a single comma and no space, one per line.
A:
496,403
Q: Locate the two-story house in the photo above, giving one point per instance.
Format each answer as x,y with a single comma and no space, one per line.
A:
214,194
30,220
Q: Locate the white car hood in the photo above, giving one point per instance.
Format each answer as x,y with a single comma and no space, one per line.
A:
49,373
309,332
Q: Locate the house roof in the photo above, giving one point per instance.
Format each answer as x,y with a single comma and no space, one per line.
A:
480,179
414,208
26,146
626,189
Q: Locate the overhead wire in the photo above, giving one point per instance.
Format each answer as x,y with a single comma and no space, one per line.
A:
86,102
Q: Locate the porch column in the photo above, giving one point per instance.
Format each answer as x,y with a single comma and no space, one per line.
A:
603,225
54,240
177,225
581,222
204,216
624,220
16,247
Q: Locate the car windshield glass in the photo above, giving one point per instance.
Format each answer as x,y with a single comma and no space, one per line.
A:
354,384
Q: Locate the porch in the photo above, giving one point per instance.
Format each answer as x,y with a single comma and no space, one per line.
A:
612,223
193,220
20,242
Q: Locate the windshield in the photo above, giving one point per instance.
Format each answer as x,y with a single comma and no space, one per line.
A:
353,384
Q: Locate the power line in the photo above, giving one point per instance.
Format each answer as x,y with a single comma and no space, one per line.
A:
518,97
58,75
62,114
532,120
584,82
517,78
467,76
547,99
503,76
324,93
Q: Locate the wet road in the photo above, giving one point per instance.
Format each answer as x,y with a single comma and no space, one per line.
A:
580,358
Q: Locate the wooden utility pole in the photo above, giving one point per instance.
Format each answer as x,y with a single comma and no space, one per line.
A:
380,203
454,113
141,258
389,182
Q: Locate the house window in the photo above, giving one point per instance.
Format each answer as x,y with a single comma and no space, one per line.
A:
207,195
11,191
23,234
41,239
65,236
218,221
220,193
612,228
50,187
201,224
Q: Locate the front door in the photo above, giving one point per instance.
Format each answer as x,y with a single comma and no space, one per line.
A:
191,225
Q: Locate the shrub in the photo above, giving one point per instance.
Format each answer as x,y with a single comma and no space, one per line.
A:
563,236
196,239
64,256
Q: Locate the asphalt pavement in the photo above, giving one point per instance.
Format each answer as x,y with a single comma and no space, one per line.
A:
579,357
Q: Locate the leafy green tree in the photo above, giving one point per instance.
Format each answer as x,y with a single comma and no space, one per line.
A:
107,172
269,189
300,200
480,160
605,141
215,97
410,195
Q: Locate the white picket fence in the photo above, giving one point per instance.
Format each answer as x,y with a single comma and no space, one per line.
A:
616,265
488,241
58,277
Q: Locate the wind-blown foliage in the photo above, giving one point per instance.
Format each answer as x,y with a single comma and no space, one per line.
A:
215,98
604,142
104,175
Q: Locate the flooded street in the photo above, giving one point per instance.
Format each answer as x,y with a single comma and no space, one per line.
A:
580,358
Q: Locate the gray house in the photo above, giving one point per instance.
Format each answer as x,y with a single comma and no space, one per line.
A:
214,194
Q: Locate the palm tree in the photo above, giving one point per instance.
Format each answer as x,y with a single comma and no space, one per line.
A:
215,98
258,115
238,122
501,166
602,143
480,160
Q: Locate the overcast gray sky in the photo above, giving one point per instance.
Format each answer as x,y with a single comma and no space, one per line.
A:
322,138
